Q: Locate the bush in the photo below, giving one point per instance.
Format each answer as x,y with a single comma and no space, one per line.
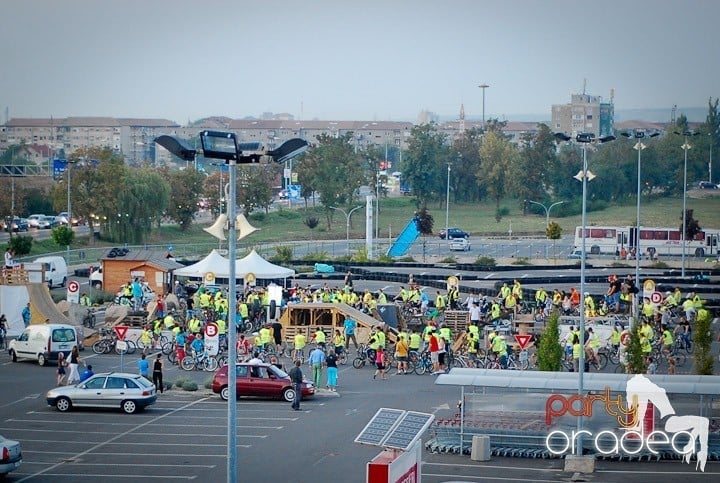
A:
485,261
450,259
21,245
385,258
619,265
407,259
521,261
702,338
180,382
167,386
360,255
190,386
316,257
659,265
636,363
208,383
283,254
550,351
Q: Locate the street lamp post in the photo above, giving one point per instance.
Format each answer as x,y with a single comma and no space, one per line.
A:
483,87
69,204
447,202
685,147
347,224
584,176
547,217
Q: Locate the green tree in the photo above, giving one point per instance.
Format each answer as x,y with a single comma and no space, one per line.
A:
142,200
533,170
63,236
466,162
21,245
692,227
702,339
424,221
497,155
550,351
554,233
425,163
183,190
634,356
255,184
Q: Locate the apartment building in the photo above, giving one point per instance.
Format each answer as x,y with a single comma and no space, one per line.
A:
584,113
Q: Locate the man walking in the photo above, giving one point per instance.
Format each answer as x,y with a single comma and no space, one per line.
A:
26,315
349,326
296,376
316,361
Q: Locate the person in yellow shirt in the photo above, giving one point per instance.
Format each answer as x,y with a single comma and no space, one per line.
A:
298,347
517,290
381,298
319,338
473,345
339,342
440,302
146,338
415,341
402,349
667,340
265,337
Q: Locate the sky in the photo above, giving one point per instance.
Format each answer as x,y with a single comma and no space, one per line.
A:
346,60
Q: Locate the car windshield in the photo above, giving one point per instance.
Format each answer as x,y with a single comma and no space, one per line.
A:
144,383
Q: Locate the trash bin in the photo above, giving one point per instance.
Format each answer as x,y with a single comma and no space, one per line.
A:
480,448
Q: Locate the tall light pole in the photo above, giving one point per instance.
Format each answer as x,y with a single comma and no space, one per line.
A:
347,224
547,217
483,87
584,176
712,140
447,202
68,164
639,147
685,148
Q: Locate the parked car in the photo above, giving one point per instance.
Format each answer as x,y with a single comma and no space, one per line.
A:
33,220
43,342
460,245
47,223
10,456
259,380
63,219
577,255
707,185
129,392
18,224
453,233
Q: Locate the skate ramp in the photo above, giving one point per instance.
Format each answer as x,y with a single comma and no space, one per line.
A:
42,306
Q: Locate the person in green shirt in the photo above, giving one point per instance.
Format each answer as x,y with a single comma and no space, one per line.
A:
415,341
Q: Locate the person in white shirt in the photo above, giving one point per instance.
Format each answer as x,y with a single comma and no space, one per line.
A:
475,313
9,262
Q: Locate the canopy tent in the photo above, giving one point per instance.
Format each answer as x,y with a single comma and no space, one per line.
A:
220,266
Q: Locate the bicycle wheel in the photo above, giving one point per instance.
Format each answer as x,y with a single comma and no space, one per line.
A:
342,358
210,364
131,347
172,357
602,361
614,357
680,359
188,363
222,360
358,362
98,346
421,368
689,347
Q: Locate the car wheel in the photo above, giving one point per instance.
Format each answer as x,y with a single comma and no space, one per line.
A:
225,393
97,285
41,360
13,356
129,406
699,252
63,404
289,394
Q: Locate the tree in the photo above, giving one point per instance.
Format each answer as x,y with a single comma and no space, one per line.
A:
142,199
311,222
424,221
550,351
465,163
63,236
497,155
183,190
634,357
255,186
533,171
692,227
554,233
702,339
425,164
21,245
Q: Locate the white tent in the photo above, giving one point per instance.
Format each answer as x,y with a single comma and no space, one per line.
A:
220,266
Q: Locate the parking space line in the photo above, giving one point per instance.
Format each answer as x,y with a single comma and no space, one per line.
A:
483,478
100,444
105,475
124,453
111,441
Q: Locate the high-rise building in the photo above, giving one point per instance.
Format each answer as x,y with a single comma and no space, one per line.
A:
584,113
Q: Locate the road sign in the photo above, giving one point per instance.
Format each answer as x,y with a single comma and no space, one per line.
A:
209,278
250,278
121,330
73,289
452,281
656,297
121,345
212,338
523,340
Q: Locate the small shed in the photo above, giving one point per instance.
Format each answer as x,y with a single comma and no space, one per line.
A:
152,266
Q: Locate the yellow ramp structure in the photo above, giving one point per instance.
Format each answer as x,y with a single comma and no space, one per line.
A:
42,306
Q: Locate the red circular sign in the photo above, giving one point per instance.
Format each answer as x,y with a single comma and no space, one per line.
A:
656,297
73,286
211,330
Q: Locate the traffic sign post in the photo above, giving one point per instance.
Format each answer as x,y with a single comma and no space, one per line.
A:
73,292
121,330
523,340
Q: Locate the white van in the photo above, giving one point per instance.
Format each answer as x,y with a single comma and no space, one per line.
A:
43,343
56,271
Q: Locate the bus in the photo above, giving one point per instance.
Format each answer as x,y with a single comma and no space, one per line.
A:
613,240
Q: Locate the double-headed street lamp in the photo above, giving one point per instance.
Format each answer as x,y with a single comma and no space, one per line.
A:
639,146
547,217
584,175
685,147
347,224
224,145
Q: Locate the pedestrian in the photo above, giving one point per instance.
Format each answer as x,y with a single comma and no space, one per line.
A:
401,354
9,262
350,325
158,373
62,364
296,377
316,362
380,363
26,315
144,367
74,376
87,373
332,370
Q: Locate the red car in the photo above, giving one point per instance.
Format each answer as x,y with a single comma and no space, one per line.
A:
259,380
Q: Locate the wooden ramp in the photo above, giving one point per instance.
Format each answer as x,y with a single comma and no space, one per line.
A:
306,318
42,306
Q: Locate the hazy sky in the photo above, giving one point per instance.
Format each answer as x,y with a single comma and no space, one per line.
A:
345,60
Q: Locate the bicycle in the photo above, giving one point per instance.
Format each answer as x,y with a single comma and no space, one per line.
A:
682,343
423,365
202,361
89,318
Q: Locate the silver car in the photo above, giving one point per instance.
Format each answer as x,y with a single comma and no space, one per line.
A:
10,456
129,392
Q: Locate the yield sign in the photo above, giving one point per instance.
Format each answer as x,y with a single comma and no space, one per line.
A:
523,340
121,330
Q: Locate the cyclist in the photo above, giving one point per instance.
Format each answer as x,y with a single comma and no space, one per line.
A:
339,342
319,338
349,325
299,346
684,331
146,338
667,340
473,344
222,332
592,345
499,347
265,337
615,336
381,337
197,346
415,341
194,325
